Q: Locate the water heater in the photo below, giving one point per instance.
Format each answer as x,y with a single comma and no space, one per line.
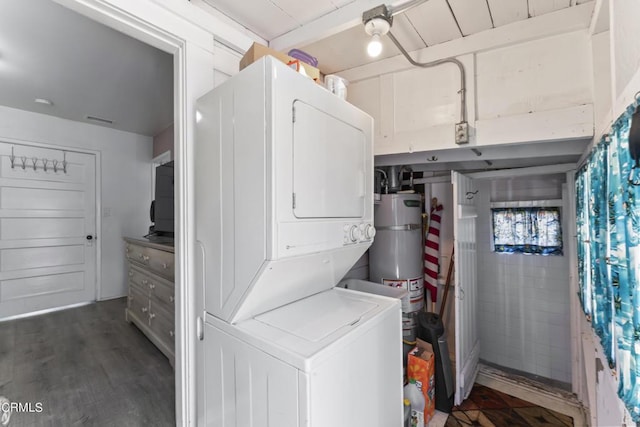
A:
395,258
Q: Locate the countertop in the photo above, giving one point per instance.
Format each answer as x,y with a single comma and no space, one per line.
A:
158,242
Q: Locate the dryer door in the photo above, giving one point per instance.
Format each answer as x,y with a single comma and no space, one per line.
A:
328,165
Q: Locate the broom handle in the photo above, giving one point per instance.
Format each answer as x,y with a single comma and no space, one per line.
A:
447,286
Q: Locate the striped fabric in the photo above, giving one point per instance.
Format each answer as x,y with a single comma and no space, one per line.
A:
432,253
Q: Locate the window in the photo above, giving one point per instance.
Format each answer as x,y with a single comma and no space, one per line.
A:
531,230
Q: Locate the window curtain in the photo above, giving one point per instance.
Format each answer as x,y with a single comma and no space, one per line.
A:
608,233
527,230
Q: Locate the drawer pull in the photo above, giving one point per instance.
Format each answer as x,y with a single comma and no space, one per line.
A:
172,298
165,265
171,334
145,282
145,258
152,286
152,315
144,309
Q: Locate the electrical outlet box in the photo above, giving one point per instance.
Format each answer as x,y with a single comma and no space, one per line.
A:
462,133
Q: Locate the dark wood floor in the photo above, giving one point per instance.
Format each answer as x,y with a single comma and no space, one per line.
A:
87,366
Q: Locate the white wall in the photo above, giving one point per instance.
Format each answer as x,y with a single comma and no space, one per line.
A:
626,47
163,142
125,180
523,300
540,90
601,54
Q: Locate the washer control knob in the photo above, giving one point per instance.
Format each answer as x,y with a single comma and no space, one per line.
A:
354,233
369,232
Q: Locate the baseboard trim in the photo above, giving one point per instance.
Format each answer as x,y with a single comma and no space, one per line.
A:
45,311
555,399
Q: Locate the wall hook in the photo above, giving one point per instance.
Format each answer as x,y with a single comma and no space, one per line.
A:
44,163
13,159
64,161
34,160
24,162
55,165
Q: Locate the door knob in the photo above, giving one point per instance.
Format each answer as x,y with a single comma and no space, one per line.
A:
90,237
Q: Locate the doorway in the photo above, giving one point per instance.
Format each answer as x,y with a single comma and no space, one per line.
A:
124,198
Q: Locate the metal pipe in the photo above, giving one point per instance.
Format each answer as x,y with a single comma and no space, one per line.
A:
386,181
463,85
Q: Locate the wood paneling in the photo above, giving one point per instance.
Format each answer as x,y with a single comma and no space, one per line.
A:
507,11
472,16
434,22
540,7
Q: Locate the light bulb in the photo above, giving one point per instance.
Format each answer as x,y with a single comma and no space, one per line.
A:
374,48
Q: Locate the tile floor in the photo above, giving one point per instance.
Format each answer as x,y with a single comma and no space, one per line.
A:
490,408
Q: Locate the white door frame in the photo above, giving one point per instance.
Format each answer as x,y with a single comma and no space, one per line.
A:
122,19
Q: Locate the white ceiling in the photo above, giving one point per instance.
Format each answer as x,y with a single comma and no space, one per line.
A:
84,68
431,23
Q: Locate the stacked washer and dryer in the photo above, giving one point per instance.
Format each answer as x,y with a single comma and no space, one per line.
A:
284,187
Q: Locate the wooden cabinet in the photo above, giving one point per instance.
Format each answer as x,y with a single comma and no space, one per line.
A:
151,299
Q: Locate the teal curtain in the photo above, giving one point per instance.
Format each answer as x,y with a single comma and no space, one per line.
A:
608,233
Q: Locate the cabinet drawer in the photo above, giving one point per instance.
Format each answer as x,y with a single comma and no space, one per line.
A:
160,262
163,294
138,305
158,287
162,324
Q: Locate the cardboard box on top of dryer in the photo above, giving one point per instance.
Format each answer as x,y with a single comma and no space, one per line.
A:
257,51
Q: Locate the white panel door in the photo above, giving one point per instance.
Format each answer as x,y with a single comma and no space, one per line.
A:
46,258
464,233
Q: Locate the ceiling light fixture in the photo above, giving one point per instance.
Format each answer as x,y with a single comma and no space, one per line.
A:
377,23
375,28
43,101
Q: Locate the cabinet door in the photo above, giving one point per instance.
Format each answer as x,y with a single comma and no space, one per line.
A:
328,165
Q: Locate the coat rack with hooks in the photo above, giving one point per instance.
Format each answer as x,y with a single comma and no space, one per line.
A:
24,162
